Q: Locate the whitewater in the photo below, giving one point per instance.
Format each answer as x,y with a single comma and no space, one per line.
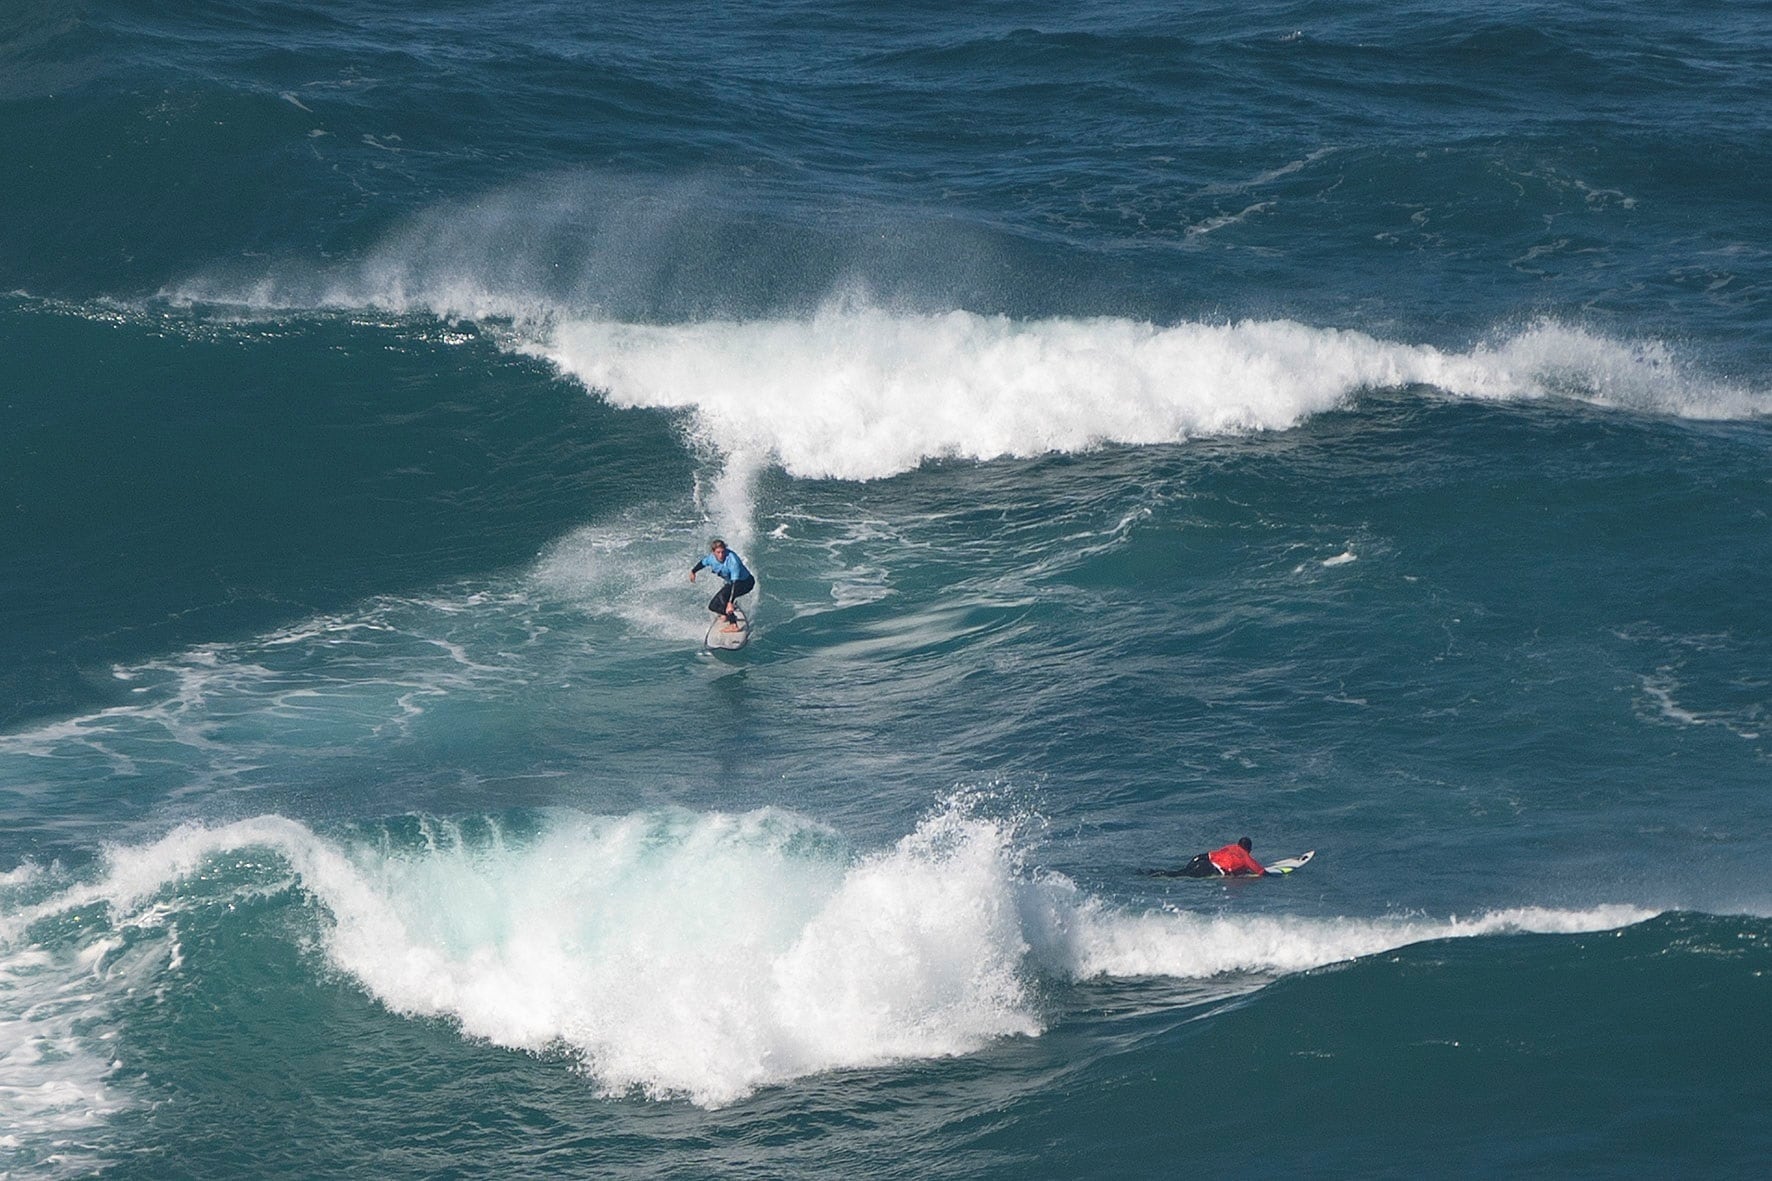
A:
701,955
859,392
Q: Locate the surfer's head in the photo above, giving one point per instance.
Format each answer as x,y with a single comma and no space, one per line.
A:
716,544
1245,844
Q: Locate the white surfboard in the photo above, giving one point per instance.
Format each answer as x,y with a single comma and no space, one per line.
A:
721,640
1288,864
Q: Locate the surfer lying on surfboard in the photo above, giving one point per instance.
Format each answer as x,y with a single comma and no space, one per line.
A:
1232,861
732,570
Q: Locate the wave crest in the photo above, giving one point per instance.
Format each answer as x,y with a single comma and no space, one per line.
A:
859,393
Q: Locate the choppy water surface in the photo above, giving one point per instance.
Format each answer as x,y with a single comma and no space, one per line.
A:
1345,426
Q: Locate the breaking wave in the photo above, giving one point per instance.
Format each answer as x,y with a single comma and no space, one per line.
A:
859,391
706,955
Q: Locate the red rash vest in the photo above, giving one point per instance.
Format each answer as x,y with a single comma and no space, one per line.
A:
1232,859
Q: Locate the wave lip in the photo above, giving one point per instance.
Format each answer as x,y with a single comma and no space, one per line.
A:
707,955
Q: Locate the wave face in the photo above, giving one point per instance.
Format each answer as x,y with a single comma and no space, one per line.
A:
1343,425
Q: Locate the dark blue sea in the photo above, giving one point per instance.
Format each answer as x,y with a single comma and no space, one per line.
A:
1345,425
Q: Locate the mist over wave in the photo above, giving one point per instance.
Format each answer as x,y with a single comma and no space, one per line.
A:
707,954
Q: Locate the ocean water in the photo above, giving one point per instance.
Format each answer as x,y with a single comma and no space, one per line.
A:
1345,425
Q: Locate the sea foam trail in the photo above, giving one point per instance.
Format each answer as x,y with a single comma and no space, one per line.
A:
706,955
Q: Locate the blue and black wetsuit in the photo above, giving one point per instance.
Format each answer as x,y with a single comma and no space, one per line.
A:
734,573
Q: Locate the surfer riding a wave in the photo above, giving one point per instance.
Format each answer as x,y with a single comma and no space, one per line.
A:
732,570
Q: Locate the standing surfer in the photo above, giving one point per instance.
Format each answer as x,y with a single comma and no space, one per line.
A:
733,572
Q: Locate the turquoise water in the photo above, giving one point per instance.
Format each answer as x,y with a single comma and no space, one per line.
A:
1343,426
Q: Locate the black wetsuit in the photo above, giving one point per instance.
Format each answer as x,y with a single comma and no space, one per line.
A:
721,603
1200,867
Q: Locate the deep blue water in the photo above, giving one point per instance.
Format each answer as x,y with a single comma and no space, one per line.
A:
1349,426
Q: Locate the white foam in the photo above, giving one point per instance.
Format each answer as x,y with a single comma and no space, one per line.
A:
1661,688
1172,944
55,1066
24,874
327,680
636,570
706,955
856,391
859,393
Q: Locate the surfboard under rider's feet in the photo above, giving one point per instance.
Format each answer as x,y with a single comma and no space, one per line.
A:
719,639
